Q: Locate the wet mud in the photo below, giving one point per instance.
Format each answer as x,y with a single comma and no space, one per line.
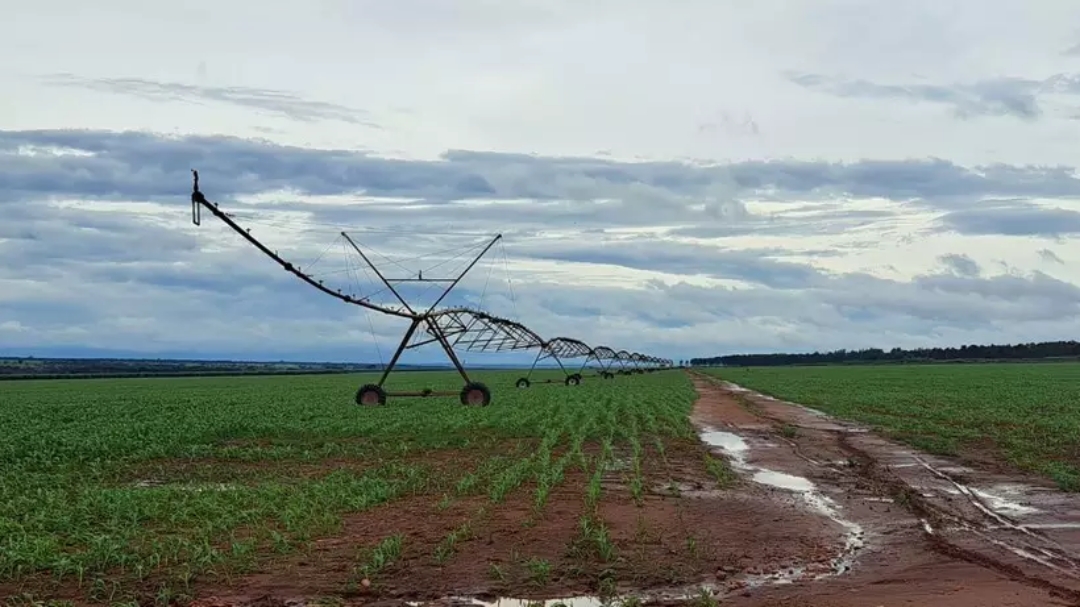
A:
919,529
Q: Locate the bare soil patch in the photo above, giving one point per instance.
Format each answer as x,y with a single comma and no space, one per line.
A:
664,540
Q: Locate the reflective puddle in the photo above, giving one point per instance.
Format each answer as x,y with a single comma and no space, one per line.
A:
737,449
782,480
683,594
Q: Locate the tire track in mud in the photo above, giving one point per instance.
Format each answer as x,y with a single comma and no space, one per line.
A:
976,541
936,520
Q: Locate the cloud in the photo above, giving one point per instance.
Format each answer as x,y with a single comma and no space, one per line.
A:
753,266
961,264
668,257
724,123
1017,219
1050,256
1003,96
104,164
267,100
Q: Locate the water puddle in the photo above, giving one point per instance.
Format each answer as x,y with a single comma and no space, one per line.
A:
1003,505
782,480
684,594
991,504
736,449
576,601
727,441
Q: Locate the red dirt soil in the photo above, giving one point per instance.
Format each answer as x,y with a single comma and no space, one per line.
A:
665,541
885,488
923,542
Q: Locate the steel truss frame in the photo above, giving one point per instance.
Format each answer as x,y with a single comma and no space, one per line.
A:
605,358
654,363
475,330
559,349
563,348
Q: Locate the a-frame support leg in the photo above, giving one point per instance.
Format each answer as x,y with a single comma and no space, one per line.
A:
536,361
561,366
436,331
588,358
397,353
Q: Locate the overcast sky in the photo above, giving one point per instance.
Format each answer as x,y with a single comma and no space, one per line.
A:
677,177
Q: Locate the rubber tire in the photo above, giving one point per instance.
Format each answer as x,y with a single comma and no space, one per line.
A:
609,375
523,383
572,380
368,389
471,389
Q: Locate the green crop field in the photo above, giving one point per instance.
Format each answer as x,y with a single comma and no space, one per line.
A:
112,485
1027,413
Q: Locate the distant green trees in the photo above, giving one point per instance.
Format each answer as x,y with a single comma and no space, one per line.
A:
1024,351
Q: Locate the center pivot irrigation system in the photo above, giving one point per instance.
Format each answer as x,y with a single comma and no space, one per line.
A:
565,348
451,328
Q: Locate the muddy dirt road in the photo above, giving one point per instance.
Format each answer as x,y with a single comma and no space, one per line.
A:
915,529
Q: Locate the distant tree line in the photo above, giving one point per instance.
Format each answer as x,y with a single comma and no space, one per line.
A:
970,353
12,368
86,368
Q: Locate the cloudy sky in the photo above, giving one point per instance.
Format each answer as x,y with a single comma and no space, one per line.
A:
678,177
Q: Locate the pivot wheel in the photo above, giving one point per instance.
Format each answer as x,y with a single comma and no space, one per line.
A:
573,379
607,375
523,382
370,395
475,394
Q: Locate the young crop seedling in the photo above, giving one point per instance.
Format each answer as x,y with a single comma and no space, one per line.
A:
539,571
637,480
592,537
511,479
721,471
375,561
466,484
384,554
692,546
496,572
448,546
607,587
